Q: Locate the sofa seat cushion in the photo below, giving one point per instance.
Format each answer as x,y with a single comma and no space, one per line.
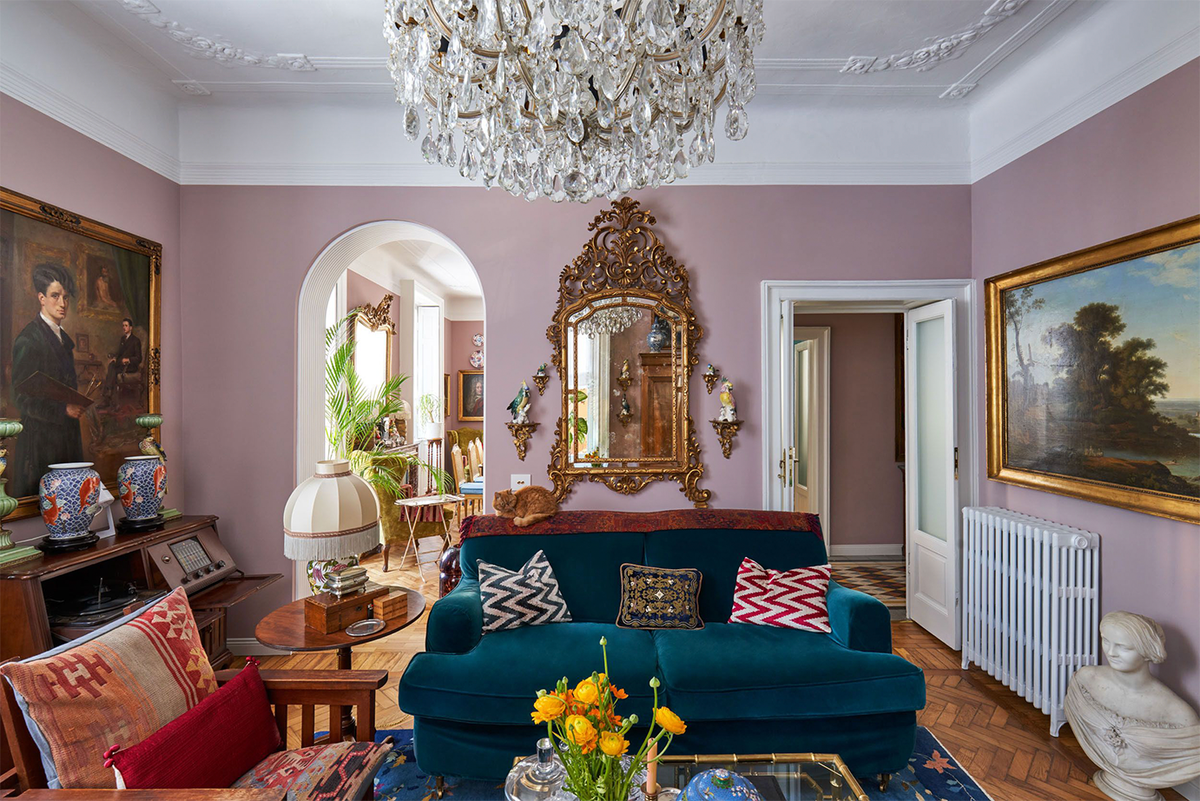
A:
321,772
497,681
730,671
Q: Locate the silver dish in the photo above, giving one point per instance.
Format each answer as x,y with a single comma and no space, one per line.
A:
365,628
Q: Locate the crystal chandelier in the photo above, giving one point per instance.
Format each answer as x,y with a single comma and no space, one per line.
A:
609,321
572,99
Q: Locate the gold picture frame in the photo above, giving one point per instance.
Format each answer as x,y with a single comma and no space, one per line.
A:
1090,458
84,247
467,378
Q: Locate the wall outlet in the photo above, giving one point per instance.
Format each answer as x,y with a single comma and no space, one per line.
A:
519,480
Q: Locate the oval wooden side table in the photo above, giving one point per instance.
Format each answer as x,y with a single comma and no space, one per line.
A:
284,630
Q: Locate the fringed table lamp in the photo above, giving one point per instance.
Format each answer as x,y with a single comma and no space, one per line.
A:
329,520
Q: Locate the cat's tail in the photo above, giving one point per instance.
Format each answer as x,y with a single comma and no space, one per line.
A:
529,520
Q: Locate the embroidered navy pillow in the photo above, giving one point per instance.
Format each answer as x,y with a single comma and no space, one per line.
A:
659,598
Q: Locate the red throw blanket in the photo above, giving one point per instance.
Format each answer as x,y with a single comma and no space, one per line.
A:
590,521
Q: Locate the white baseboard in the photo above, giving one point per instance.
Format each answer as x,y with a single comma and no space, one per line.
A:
1190,791
895,551
248,646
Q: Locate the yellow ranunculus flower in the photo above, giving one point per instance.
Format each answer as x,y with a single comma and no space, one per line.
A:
669,720
547,708
613,744
580,730
586,692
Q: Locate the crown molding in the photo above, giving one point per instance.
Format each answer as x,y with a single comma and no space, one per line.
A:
1142,73
726,174
73,114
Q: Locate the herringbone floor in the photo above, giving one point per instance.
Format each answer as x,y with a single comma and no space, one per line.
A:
999,738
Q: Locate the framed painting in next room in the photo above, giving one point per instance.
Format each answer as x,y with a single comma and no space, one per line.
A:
470,396
1093,373
79,341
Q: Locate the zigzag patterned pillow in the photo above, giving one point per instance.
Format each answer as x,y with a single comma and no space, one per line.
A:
525,597
793,599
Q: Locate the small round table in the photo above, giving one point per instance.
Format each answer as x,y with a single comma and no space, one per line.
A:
284,629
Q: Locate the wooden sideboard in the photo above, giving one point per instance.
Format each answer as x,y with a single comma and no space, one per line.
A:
146,561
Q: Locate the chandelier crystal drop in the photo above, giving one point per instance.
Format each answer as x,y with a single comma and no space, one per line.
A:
610,321
572,99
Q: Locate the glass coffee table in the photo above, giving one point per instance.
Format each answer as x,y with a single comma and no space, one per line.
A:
777,777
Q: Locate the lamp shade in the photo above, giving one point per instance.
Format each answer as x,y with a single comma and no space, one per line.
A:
331,515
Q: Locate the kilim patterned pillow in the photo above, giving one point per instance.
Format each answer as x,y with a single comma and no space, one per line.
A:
793,599
525,597
115,689
659,598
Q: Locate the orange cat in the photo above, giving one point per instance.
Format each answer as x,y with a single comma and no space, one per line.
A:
526,506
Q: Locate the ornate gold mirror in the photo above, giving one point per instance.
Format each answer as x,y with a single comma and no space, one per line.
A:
371,329
624,339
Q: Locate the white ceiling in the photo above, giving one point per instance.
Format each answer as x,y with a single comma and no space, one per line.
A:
828,48
850,91
443,271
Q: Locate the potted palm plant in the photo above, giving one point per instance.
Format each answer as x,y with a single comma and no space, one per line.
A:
352,416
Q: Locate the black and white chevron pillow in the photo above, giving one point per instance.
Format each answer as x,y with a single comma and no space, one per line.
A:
525,597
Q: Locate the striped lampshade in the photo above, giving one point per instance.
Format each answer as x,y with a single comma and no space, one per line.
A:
331,515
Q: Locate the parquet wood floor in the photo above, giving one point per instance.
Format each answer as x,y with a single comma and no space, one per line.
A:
999,738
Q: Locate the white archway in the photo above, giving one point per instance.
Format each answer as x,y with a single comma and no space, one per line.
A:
321,279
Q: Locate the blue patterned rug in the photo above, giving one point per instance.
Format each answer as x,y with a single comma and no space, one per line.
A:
932,775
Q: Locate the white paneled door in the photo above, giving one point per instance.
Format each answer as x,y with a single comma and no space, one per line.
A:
931,470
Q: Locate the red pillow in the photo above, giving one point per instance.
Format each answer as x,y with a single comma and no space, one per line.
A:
210,745
793,599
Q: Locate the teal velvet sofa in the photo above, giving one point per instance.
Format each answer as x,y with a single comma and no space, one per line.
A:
741,688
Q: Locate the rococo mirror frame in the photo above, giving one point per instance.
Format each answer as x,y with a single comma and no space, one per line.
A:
625,258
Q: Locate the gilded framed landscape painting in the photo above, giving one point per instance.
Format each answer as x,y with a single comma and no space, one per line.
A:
79,341
1093,373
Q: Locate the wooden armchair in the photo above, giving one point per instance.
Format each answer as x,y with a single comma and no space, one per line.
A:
306,689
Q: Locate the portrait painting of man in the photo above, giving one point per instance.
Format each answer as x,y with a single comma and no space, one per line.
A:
470,395
78,321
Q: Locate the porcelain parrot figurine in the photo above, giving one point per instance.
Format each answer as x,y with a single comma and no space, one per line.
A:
150,447
519,408
625,405
728,404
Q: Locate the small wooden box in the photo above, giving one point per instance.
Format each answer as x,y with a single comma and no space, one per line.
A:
389,607
327,614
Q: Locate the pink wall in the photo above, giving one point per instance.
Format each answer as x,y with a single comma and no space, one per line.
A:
459,347
729,238
862,429
1134,166
49,161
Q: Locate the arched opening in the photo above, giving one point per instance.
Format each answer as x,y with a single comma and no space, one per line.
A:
428,263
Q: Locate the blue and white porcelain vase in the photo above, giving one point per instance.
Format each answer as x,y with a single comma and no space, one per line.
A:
141,485
70,497
660,334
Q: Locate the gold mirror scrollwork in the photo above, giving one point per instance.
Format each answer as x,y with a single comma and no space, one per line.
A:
622,284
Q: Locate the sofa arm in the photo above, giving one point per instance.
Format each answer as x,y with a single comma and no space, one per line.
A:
859,621
455,623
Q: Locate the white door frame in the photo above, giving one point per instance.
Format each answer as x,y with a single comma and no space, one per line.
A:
872,296
818,446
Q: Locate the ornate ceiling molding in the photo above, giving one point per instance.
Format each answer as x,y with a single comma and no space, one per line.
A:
214,47
939,49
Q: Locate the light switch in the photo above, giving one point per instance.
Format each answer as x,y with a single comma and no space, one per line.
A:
519,480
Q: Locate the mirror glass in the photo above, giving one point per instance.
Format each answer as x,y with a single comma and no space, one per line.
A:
624,404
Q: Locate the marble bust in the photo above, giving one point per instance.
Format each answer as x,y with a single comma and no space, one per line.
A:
1140,734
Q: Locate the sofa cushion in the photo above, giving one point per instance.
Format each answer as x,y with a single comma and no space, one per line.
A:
527,596
498,680
660,598
117,686
718,552
730,671
790,599
586,565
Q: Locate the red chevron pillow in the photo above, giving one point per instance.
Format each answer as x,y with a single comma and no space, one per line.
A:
793,599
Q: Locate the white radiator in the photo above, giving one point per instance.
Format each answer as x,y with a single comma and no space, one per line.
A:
1030,603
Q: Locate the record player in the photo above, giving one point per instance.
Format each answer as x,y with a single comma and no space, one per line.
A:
94,605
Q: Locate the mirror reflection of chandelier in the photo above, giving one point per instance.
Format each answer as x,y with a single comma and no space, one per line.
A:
572,98
610,321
